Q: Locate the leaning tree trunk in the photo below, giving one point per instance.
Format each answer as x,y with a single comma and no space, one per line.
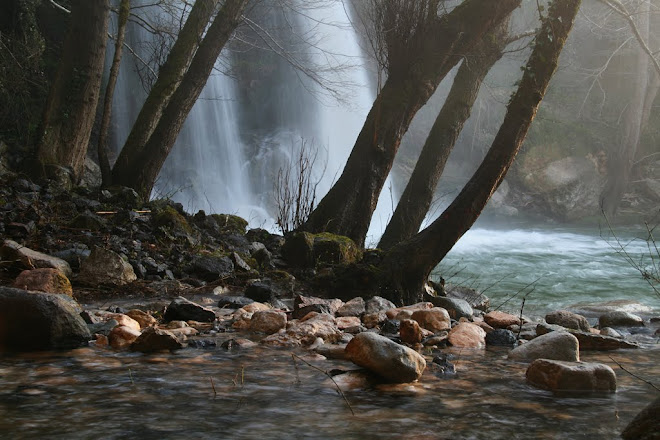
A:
349,205
102,147
169,78
71,106
418,195
142,172
408,264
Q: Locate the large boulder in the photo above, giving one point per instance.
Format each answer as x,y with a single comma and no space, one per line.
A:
39,321
181,309
467,335
104,266
386,358
335,249
561,346
26,258
568,319
645,425
620,319
571,377
211,267
46,280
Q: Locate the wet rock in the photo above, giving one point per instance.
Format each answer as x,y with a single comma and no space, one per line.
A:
305,332
270,288
396,313
373,320
497,319
443,365
331,304
301,312
378,304
475,299
298,249
411,332
594,310
234,302
645,425
620,319
528,331
268,321
441,340
332,351
104,266
561,346
346,322
155,339
568,319
122,337
142,318
103,327
354,307
501,337
394,362
588,340
26,258
571,377
202,343
210,267
44,280
122,319
253,307
391,327
182,309
608,331
467,335
457,308
40,321
434,319
241,343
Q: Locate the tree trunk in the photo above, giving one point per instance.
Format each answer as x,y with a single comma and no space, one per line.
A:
349,205
408,264
418,195
169,78
142,172
102,148
71,106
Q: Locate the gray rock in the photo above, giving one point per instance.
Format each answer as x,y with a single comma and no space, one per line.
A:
588,340
571,377
234,302
386,358
181,309
154,339
40,321
354,307
607,331
378,304
268,321
210,268
501,337
104,266
26,258
474,298
568,319
620,319
595,310
645,425
457,308
561,346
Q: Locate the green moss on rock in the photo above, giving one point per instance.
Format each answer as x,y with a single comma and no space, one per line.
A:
335,249
230,224
171,218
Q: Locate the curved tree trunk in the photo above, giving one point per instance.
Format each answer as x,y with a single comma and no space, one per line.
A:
142,172
418,195
349,205
71,106
102,148
169,78
408,264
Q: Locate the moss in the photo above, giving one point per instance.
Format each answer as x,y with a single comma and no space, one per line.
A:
335,249
230,224
171,218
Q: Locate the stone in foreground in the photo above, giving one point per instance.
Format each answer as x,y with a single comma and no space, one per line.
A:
645,425
386,358
560,346
467,335
571,377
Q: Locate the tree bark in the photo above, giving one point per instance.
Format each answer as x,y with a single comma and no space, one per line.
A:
169,78
349,205
418,194
71,105
142,172
408,264
102,147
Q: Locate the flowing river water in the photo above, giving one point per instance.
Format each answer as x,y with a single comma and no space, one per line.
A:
263,393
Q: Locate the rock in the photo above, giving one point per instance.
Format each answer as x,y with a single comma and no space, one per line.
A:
394,313
44,280
40,321
457,308
298,249
253,307
182,309
239,263
497,319
305,332
29,259
154,339
561,346
501,337
234,302
394,362
620,319
332,305
241,343
335,249
608,331
268,289
143,318
645,425
268,321
373,320
103,328
122,336
354,307
104,266
230,224
391,327
410,332
443,365
122,320
88,221
332,351
568,319
435,319
210,267
588,340
571,377
347,322
467,335
594,310
475,299
378,304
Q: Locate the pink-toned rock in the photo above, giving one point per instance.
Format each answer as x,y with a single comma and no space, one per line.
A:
434,319
559,376
253,307
354,307
497,319
321,326
122,337
143,318
242,322
392,313
373,320
124,320
487,328
183,332
344,322
467,335
44,280
303,301
410,332
268,321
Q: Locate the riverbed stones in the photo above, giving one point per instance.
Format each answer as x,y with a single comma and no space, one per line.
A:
571,377
501,337
122,337
27,258
467,335
39,321
185,310
302,333
46,280
568,319
594,310
394,362
143,318
155,339
104,266
233,301
434,319
620,319
645,425
377,304
354,307
561,346
410,332
407,311
497,319
588,340
475,299
457,308
268,321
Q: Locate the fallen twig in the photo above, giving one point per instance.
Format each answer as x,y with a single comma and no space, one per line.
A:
634,375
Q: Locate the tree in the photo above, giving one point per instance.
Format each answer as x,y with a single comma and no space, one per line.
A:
418,194
141,163
408,264
421,48
71,106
